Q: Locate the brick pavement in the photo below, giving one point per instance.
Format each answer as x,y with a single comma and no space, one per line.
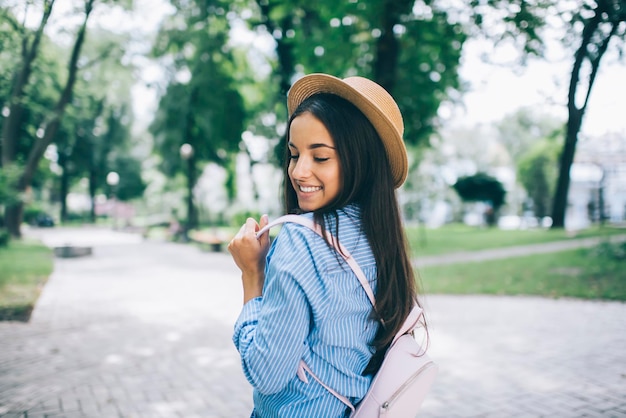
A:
142,329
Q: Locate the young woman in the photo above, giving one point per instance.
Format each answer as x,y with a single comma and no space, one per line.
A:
345,158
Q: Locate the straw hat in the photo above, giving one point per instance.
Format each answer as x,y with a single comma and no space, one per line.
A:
375,103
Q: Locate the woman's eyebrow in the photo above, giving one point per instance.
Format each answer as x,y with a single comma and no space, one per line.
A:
313,146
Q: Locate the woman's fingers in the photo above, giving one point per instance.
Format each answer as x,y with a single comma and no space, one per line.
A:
248,251
264,239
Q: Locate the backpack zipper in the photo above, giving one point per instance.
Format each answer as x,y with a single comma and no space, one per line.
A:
389,403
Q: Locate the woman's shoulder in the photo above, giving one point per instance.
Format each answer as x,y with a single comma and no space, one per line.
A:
348,218
298,246
297,233
297,225
294,235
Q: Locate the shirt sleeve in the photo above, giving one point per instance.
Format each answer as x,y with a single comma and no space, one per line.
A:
271,331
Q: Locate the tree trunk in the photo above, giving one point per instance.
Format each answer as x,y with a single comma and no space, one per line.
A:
97,159
64,187
593,46
284,48
92,194
559,207
191,182
13,219
388,46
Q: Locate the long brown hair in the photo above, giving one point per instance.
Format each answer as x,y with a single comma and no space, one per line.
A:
366,181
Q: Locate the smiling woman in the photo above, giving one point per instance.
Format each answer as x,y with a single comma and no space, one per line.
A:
345,159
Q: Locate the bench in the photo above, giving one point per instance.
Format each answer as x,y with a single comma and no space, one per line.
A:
207,240
72,251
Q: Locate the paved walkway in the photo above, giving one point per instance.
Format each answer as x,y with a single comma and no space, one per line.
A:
513,251
142,329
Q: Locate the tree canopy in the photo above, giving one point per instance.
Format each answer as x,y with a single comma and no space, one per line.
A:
414,52
218,89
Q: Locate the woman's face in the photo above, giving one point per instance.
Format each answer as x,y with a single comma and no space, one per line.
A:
314,165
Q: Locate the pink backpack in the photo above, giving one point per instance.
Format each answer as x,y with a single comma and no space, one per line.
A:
406,374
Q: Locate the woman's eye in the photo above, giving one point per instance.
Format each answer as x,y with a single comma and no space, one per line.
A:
321,160
293,157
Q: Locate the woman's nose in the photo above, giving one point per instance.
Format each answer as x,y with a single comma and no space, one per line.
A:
302,168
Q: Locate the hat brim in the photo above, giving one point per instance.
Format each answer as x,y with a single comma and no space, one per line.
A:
392,140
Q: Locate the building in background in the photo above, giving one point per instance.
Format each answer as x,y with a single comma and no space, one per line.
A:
598,182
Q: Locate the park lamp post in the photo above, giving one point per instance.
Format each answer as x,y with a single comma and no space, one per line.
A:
113,180
186,153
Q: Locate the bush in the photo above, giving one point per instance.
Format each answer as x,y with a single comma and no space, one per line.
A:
481,187
77,217
4,238
31,213
239,219
614,251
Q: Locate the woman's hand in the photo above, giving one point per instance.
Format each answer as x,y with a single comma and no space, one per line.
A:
249,254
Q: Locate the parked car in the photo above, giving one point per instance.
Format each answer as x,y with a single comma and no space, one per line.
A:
44,220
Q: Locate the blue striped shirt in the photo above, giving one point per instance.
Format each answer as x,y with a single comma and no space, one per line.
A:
313,308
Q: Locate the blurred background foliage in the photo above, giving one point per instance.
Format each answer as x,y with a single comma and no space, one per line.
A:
67,81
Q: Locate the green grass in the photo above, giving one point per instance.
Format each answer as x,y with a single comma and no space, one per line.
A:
24,269
458,237
583,273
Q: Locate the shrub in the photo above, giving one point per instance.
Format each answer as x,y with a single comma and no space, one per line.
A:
239,218
31,213
4,237
611,250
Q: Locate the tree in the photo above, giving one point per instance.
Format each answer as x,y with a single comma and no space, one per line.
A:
39,95
96,128
201,105
601,21
482,187
591,24
522,130
131,184
13,124
537,173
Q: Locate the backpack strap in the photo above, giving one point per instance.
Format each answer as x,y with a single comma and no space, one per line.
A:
342,250
410,323
303,367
